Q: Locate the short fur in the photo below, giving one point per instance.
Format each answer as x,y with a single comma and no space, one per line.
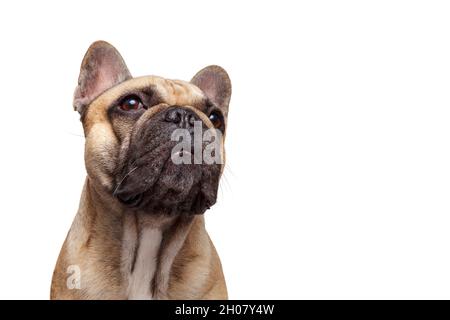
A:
157,248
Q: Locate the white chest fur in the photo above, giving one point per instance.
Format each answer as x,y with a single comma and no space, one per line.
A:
146,258
140,250
140,278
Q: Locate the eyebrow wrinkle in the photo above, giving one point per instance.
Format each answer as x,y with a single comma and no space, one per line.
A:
151,96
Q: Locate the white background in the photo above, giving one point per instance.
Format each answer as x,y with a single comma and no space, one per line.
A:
338,176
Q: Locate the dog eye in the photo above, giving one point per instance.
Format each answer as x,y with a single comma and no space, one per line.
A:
216,119
131,103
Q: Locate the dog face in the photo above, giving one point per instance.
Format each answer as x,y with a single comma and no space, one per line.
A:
129,125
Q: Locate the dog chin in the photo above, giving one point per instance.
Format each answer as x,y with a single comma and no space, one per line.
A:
179,189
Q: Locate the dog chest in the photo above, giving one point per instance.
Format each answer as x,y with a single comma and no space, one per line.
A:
139,260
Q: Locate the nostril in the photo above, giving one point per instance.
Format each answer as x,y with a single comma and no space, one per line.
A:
180,116
190,119
173,115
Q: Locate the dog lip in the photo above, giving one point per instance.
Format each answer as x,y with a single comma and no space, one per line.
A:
132,200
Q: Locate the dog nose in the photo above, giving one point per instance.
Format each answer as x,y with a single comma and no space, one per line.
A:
184,118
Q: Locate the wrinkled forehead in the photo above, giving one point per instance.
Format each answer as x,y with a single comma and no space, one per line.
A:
172,92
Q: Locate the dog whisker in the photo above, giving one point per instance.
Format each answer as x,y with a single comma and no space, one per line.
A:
122,180
75,134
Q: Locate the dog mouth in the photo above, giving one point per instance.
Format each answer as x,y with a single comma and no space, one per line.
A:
158,185
132,201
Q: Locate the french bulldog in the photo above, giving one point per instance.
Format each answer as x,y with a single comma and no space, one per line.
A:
139,232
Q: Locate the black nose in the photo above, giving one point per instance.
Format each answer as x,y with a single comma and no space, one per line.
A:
184,118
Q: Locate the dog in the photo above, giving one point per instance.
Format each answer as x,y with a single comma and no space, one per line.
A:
139,232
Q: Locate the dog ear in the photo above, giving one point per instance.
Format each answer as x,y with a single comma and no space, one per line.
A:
216,84
102,68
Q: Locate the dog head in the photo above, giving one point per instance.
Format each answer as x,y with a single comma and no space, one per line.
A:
138,129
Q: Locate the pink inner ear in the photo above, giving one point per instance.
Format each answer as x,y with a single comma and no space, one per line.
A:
102,69
216,85
209,87
105,78
110,71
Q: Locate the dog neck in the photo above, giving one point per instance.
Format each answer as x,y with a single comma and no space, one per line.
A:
149,248
147,243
